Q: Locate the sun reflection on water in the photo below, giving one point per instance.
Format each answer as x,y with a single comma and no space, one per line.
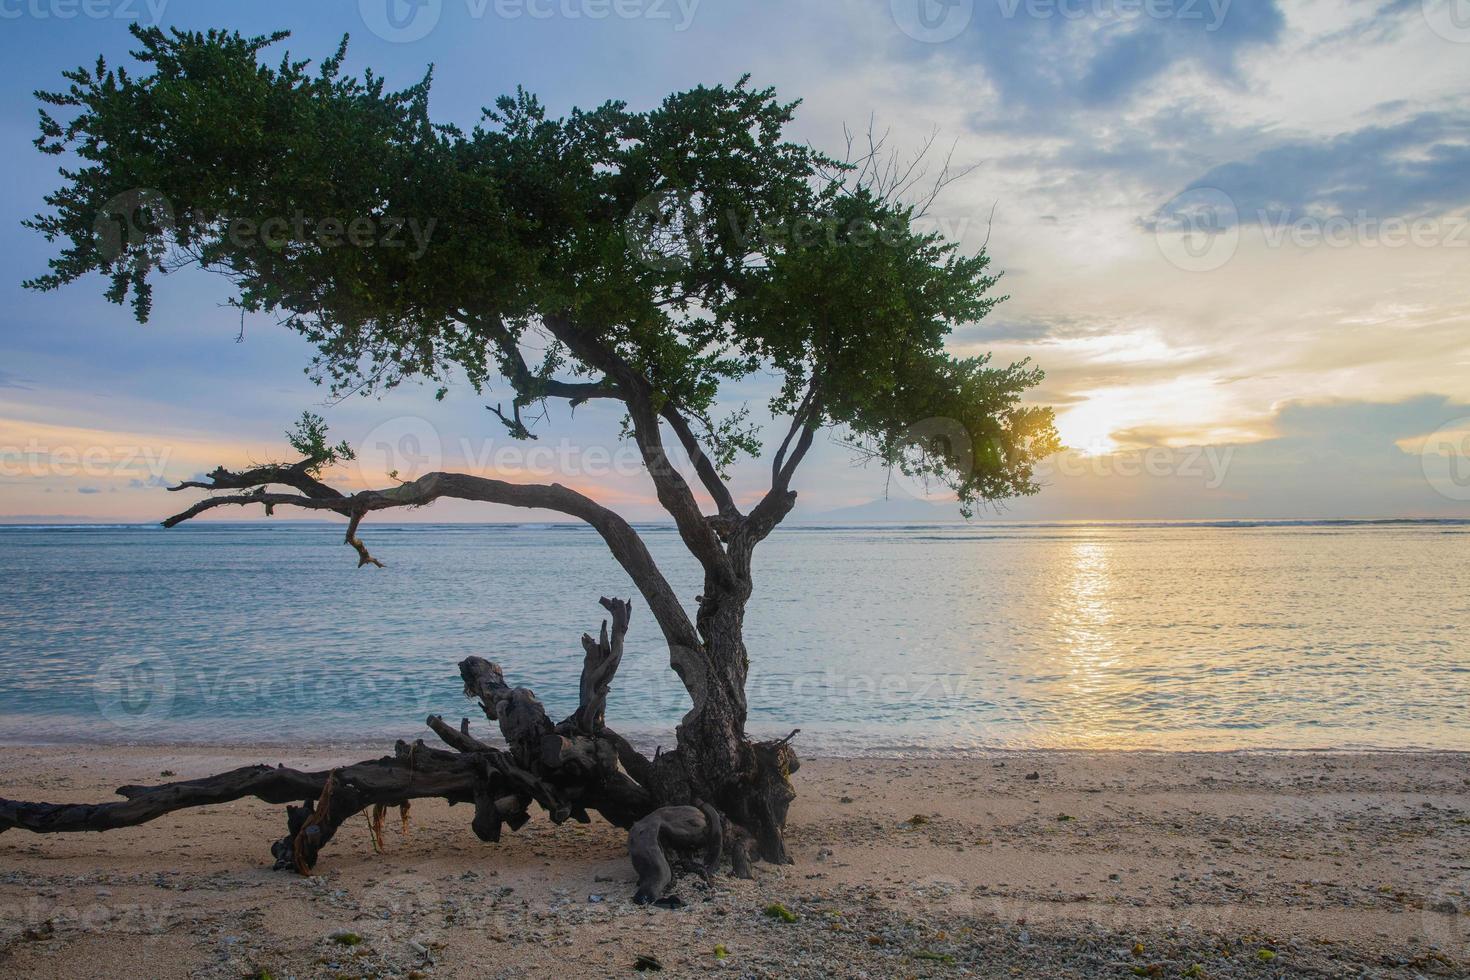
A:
1085,619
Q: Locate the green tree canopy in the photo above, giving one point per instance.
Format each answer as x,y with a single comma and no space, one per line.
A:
665,251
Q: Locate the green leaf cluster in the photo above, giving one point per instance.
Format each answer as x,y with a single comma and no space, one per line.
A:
694,240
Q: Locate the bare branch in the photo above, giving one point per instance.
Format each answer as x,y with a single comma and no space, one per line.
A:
624,542
530,387
780,499
888,177
698,534
708,475
392,780
296,475
798,422
603,655
363,558
513,423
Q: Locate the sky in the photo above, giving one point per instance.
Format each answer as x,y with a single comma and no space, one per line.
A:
1235,235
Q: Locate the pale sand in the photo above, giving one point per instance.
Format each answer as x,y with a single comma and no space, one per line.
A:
1338,864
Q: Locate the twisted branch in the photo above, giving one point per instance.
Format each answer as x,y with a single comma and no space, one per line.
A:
622,540
564,768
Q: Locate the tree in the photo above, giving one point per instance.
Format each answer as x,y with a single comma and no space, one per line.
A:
656,255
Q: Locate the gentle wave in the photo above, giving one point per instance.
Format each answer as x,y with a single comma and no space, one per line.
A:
1092,634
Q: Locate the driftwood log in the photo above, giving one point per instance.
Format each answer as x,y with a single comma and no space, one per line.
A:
570,770
673,836
712,759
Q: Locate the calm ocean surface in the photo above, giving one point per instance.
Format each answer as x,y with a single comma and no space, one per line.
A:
870,638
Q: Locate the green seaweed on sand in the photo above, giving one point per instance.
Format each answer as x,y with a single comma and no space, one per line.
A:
778,911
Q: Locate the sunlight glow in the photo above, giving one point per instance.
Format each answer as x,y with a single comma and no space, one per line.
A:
1180,412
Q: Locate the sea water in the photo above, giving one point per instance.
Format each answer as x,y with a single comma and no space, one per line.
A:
871,639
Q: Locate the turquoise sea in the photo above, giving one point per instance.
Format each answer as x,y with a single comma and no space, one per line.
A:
872,639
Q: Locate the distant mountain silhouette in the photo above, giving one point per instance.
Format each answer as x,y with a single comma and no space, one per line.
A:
897,507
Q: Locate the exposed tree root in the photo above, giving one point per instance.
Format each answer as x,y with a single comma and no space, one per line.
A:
567,769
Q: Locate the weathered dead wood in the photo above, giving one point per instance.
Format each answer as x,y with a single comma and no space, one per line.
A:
568,769
665,830
672,836
603,656
713,758
391,780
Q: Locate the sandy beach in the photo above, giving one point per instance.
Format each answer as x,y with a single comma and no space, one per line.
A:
1044,863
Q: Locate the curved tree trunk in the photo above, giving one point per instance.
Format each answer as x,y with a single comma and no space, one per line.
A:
715,762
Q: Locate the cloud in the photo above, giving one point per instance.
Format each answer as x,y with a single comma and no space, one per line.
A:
1095,160
1356,428
998,328
1081,117
1419,166
1042,57
1327,459
1382,24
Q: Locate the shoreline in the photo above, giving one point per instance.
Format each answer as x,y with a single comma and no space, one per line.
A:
383,744
1330,862
815,521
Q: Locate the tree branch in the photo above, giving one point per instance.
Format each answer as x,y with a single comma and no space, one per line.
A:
780,499
624,542
600,662
295,475
392,780
363,558
708,475
698,534
803,443
528,386
780,473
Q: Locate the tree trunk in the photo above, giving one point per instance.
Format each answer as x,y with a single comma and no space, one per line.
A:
715,762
